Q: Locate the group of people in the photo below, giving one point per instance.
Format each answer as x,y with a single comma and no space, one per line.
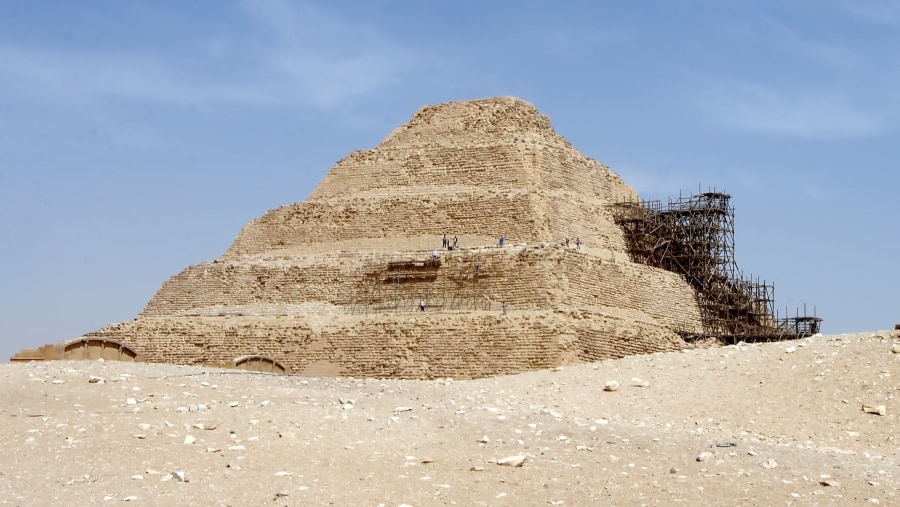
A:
448,243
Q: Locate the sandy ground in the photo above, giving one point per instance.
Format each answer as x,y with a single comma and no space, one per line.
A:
771,424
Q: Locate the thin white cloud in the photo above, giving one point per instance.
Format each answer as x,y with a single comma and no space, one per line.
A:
789,39
578,44
815,192
72,77
879,12
665,183
328,61
807,115
294,56
651,183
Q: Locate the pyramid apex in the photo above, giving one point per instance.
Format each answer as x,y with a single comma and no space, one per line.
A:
467,119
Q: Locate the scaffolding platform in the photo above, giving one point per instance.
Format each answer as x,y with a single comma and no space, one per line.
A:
694,237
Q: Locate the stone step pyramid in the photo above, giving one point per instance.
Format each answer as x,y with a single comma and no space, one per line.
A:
335,285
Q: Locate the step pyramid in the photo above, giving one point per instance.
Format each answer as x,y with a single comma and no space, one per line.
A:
335,285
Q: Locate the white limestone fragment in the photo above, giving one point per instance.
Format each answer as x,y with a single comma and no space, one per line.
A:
611,385
512,461
874,409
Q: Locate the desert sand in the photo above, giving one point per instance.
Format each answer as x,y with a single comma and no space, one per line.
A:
751,424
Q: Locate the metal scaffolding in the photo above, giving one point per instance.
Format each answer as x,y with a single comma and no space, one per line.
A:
694,237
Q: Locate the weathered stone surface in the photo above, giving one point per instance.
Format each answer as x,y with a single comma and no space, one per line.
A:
332,285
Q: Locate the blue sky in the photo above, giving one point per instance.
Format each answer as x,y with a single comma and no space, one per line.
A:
136,138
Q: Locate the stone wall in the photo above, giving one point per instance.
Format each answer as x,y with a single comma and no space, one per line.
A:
527,278
415,345
346,224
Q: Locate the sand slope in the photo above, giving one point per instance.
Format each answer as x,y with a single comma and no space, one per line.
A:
782,424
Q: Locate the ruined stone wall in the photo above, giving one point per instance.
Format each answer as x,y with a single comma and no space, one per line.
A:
339,283
589,282
530,278
339,224
208,340
391,172
601,336
418,345
477,217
